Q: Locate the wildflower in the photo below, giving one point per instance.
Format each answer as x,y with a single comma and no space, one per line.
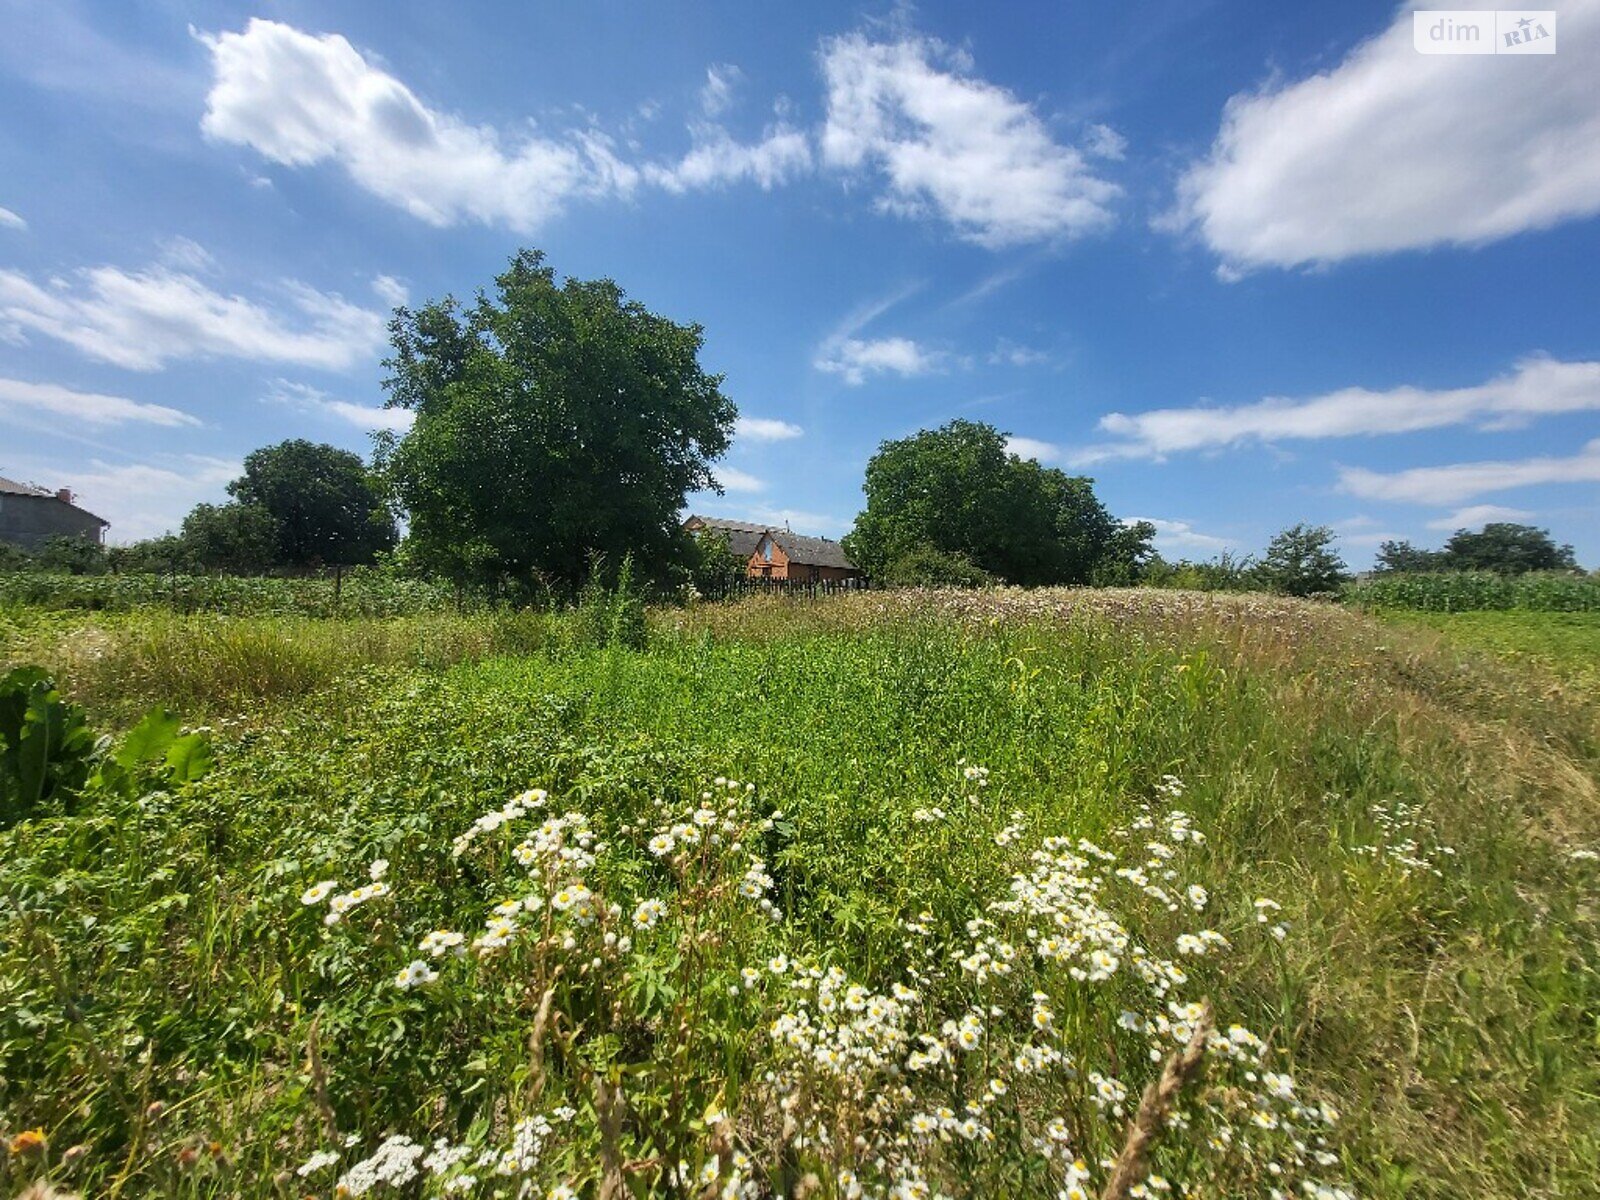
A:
662,845
778,964
378,869
648,913
29,1141
1197,897
415,974
317,1162
318,892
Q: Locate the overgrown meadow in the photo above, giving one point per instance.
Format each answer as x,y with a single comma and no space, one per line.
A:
890,895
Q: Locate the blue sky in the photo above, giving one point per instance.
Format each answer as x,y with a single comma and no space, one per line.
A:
1245,264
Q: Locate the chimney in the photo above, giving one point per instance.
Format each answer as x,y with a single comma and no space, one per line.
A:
64,495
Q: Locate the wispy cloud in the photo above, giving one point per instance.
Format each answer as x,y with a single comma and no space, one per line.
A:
92,408
1458,482
949,144
305,398
1394,150
1537,386
143,319
734,480
10,220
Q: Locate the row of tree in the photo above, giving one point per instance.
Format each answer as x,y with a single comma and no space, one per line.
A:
1499,546
556,424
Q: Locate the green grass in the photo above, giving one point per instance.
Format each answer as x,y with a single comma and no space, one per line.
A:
1565,644
1441,992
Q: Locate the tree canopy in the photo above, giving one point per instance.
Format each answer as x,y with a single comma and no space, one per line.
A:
1301,561
1500,546
324,505
957,496
554,421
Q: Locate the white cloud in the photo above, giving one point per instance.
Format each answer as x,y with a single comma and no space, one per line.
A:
1009,353
1102,141
1026,447
854,359
717,159
1394,150
92,408
10,220
1479,514
955,145
1462,481
1178,537
306,398
1537,386
299,99
390,290
765,429
734,480
186,254
142,319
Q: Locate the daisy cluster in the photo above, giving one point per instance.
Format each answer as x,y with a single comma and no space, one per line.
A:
341,904
1407,837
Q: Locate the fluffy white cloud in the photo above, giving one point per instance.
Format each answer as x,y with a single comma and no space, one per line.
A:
10,220
1180,537
734,480
142,319
1478,514
1026,447
765,429
300,99
955,145
1538,386
1462,481
854,359
1395,150
92,408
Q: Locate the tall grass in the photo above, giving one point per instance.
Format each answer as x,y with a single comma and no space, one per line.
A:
360,593
1468,591
168,1004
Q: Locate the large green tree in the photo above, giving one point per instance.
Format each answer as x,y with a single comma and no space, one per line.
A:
1507,548
957,492
554,420
327,508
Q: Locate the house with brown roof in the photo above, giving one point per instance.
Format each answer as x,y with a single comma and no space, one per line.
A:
30,515
773,553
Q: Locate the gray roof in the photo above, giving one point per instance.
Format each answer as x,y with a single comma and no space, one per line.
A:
811,551
743,536
10,487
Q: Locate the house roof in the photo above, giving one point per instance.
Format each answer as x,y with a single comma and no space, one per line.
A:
743,536
10,487
811,551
